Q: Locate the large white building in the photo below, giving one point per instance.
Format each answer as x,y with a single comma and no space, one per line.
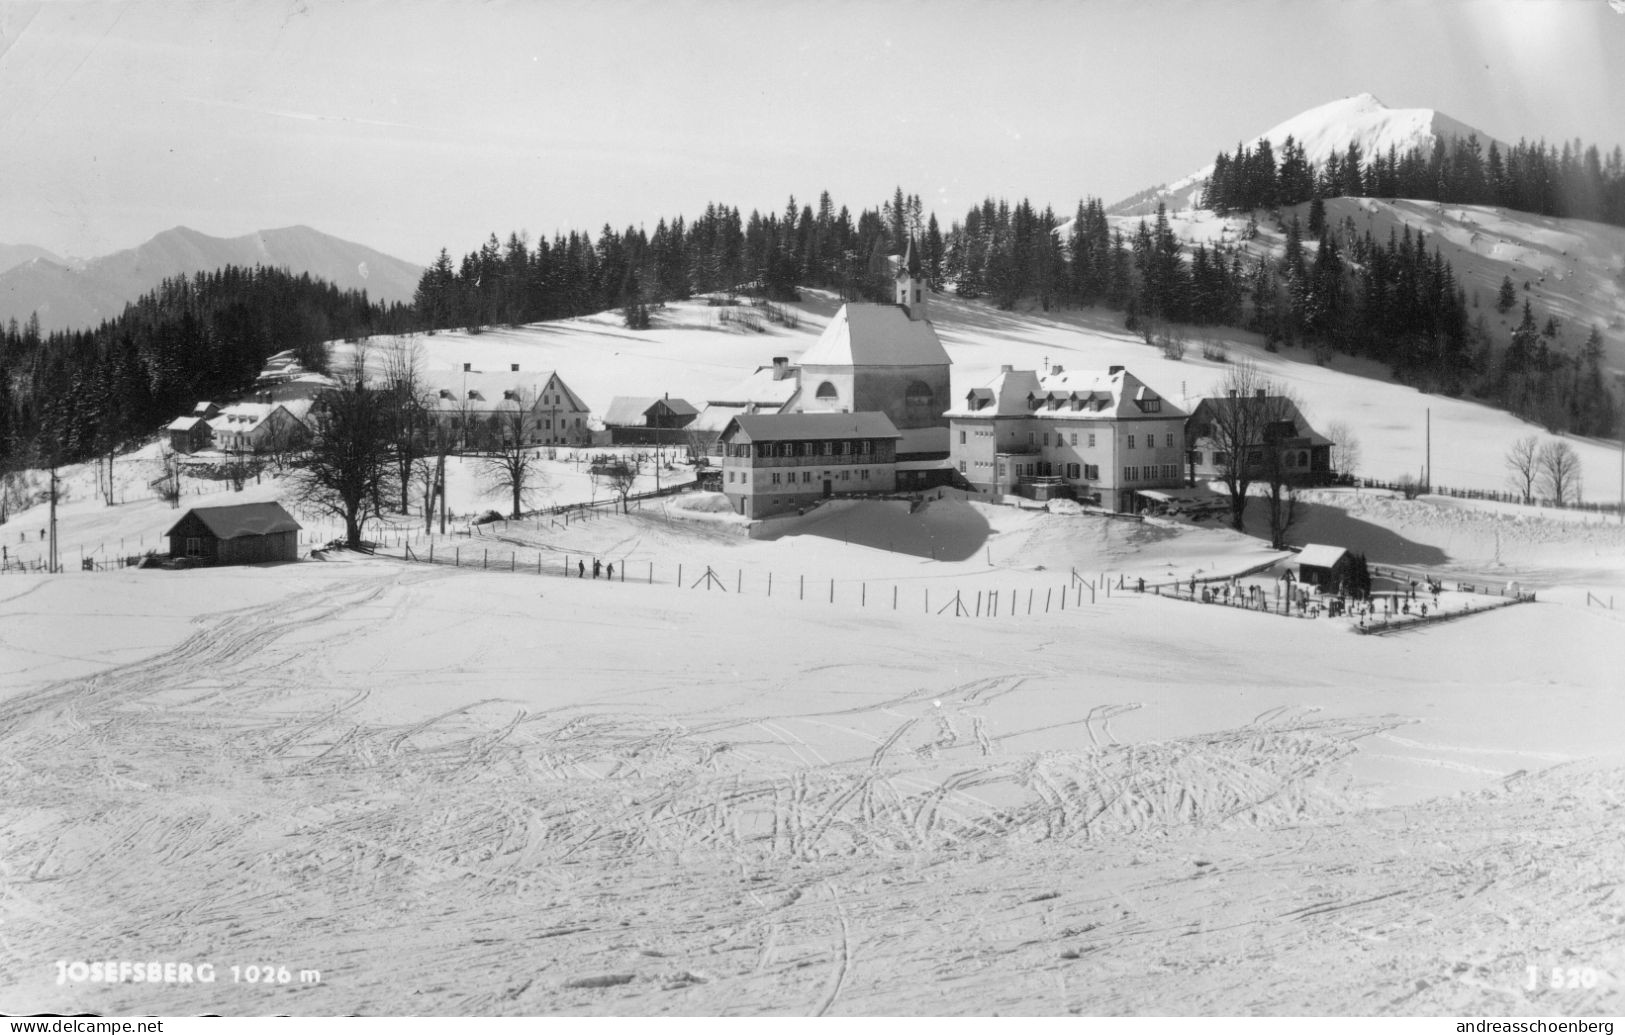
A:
1100,437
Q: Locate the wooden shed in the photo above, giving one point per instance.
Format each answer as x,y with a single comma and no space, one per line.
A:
1324,566
245,533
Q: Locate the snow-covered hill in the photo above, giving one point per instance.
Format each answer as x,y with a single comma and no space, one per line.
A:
1322,132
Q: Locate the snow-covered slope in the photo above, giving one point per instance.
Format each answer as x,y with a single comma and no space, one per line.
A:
1323,132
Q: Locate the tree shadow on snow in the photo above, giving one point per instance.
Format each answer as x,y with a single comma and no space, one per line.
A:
1333,526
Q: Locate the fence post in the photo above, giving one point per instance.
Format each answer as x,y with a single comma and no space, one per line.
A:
651,573
679,575
894,596
739,582
457,558
832,591
769,583
803,590
863,594
1063,598
485,559
1047,593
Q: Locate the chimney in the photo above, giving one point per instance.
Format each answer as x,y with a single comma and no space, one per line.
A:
1232,393
1056,369
514,367
1113,370
781,367
1006,368
467,367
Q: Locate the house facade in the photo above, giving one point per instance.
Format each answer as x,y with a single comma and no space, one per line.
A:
772,464
1099,437
475,409
259,427
188,434
1305,454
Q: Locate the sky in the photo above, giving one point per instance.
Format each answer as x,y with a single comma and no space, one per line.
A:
416,125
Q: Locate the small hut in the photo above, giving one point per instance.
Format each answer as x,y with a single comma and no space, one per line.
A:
1324,566
244,533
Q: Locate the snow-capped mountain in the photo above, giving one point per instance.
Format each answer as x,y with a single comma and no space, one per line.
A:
1322,132
77,295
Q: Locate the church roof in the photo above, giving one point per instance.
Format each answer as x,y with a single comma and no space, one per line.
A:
874,335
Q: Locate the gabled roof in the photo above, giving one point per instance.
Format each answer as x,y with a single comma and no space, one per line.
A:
873,335
773,427
1067,394
241,519
480,390
185,423
679,407
1280,407
1317,556
628,410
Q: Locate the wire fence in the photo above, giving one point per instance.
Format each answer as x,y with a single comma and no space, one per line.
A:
1494,495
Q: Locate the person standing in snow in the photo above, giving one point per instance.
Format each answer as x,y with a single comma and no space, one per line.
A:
609,572
581,569
597,567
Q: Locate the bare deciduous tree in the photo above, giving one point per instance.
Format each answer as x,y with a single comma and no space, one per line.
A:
1242,419
512,465
1560,472
408,415
1345,448
1523,466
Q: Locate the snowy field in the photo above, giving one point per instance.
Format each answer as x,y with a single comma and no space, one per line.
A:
834,777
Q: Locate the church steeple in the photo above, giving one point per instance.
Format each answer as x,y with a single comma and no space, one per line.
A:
910,284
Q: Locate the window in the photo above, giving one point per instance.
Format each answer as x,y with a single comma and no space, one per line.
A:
194,546
1091,440
1032,439
846,476
864,474
775,477
1072,471
1074,438
730,476
1046,440
1131,441
1221,459
961,467
1131,474
1091,472
961,438
806,476
827,393
1170,440
1196,457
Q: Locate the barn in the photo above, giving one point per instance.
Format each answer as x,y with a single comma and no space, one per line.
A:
1324,566
245,533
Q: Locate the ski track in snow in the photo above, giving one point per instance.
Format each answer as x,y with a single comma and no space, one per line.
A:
228,799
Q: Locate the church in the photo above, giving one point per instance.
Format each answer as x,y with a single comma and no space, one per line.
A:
880,358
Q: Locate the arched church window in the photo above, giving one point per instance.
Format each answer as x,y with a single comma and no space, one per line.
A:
827,392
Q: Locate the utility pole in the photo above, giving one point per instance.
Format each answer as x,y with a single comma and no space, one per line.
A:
1427,478
51,561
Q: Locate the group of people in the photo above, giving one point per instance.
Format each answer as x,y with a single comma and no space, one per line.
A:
598,567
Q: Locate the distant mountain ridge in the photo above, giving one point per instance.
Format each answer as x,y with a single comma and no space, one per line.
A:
81,296
17,254
1321,132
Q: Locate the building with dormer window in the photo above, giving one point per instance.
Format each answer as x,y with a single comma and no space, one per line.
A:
1100,438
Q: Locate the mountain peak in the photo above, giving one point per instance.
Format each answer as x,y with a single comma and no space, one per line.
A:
1322,131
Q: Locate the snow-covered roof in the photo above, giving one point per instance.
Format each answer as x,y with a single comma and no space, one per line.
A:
628,410
481,390
183,423
773,427
874,335
760,388
1113,393
241,519
1318,556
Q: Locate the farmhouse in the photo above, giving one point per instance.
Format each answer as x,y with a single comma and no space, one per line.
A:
260,427
1305,454
776,463
1100,437
637,420
245,533
475,409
